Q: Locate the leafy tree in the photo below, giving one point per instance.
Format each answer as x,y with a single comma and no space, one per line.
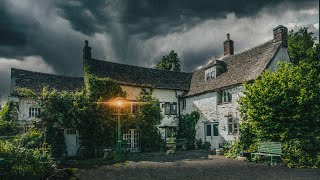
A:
167,61
300,44
8,126
285,106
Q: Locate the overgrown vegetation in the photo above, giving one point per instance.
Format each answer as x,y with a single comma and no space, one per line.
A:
8,126
187,129
284,106
24,156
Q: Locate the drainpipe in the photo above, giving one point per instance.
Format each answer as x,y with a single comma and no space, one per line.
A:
179,98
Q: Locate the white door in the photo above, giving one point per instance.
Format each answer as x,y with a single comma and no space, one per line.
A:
212,134
71,139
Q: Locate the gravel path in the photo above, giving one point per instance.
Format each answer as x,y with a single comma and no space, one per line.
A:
192,165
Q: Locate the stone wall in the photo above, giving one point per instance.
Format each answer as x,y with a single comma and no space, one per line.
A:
212,111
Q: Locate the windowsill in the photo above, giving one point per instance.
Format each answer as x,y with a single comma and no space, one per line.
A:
224,103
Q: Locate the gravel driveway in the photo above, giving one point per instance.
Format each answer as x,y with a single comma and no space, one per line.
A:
192,165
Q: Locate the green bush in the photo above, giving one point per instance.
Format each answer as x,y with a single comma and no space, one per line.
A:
31,140
22,162
206,146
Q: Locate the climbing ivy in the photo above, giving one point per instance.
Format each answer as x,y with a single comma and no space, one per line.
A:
187,129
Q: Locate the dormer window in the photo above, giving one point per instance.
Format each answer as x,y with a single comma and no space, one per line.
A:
210,73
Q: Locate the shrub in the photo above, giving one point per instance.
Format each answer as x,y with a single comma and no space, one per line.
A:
206,146
22,162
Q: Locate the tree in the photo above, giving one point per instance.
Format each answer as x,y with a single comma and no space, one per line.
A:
300,43
285,106
167,61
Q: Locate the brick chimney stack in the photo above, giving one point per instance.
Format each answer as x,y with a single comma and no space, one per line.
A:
280,33
86,51
228,46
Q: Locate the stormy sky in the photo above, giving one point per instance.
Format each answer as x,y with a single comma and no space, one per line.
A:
48,35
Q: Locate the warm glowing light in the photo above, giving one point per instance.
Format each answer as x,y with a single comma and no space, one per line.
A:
119,101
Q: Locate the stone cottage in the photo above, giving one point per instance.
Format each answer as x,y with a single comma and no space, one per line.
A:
213,90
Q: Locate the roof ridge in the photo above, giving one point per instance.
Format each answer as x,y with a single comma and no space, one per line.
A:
257,46
142,67
45,73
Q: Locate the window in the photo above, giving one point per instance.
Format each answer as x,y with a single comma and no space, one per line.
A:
173,108
208,129
233,126
226,96
210,73
184,104
34,112
167,108
215,130
170,108
134,108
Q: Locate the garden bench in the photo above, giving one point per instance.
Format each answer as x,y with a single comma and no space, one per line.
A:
272,149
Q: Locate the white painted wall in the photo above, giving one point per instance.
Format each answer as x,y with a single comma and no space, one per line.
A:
163,95
210,111
24,105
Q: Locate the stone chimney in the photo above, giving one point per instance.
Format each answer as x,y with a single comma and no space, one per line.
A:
86,51
280,33
228,46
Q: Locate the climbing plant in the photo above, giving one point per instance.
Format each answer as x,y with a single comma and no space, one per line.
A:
187,129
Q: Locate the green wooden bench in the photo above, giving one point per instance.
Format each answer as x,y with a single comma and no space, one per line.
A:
272,149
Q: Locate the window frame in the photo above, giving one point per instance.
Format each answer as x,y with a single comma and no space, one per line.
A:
210,73
135,108
173,111
233,126
167,108
226,96
184,104
34,112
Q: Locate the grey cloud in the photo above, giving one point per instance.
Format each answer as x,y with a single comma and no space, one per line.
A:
136,32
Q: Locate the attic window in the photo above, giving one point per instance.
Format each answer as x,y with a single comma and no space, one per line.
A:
210,73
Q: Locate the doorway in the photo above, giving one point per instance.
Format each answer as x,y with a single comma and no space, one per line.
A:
212,134
71,140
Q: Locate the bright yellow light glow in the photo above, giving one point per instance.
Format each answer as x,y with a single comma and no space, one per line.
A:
119,103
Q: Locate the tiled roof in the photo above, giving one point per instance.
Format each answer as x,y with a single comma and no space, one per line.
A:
241,67
36,81
140,76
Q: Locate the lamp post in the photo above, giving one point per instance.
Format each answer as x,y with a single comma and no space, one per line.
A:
118,103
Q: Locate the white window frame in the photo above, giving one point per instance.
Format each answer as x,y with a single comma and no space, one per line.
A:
34,111
210,73
226,96
233,126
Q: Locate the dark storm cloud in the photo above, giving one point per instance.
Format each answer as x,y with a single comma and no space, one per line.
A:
150,17
138,32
